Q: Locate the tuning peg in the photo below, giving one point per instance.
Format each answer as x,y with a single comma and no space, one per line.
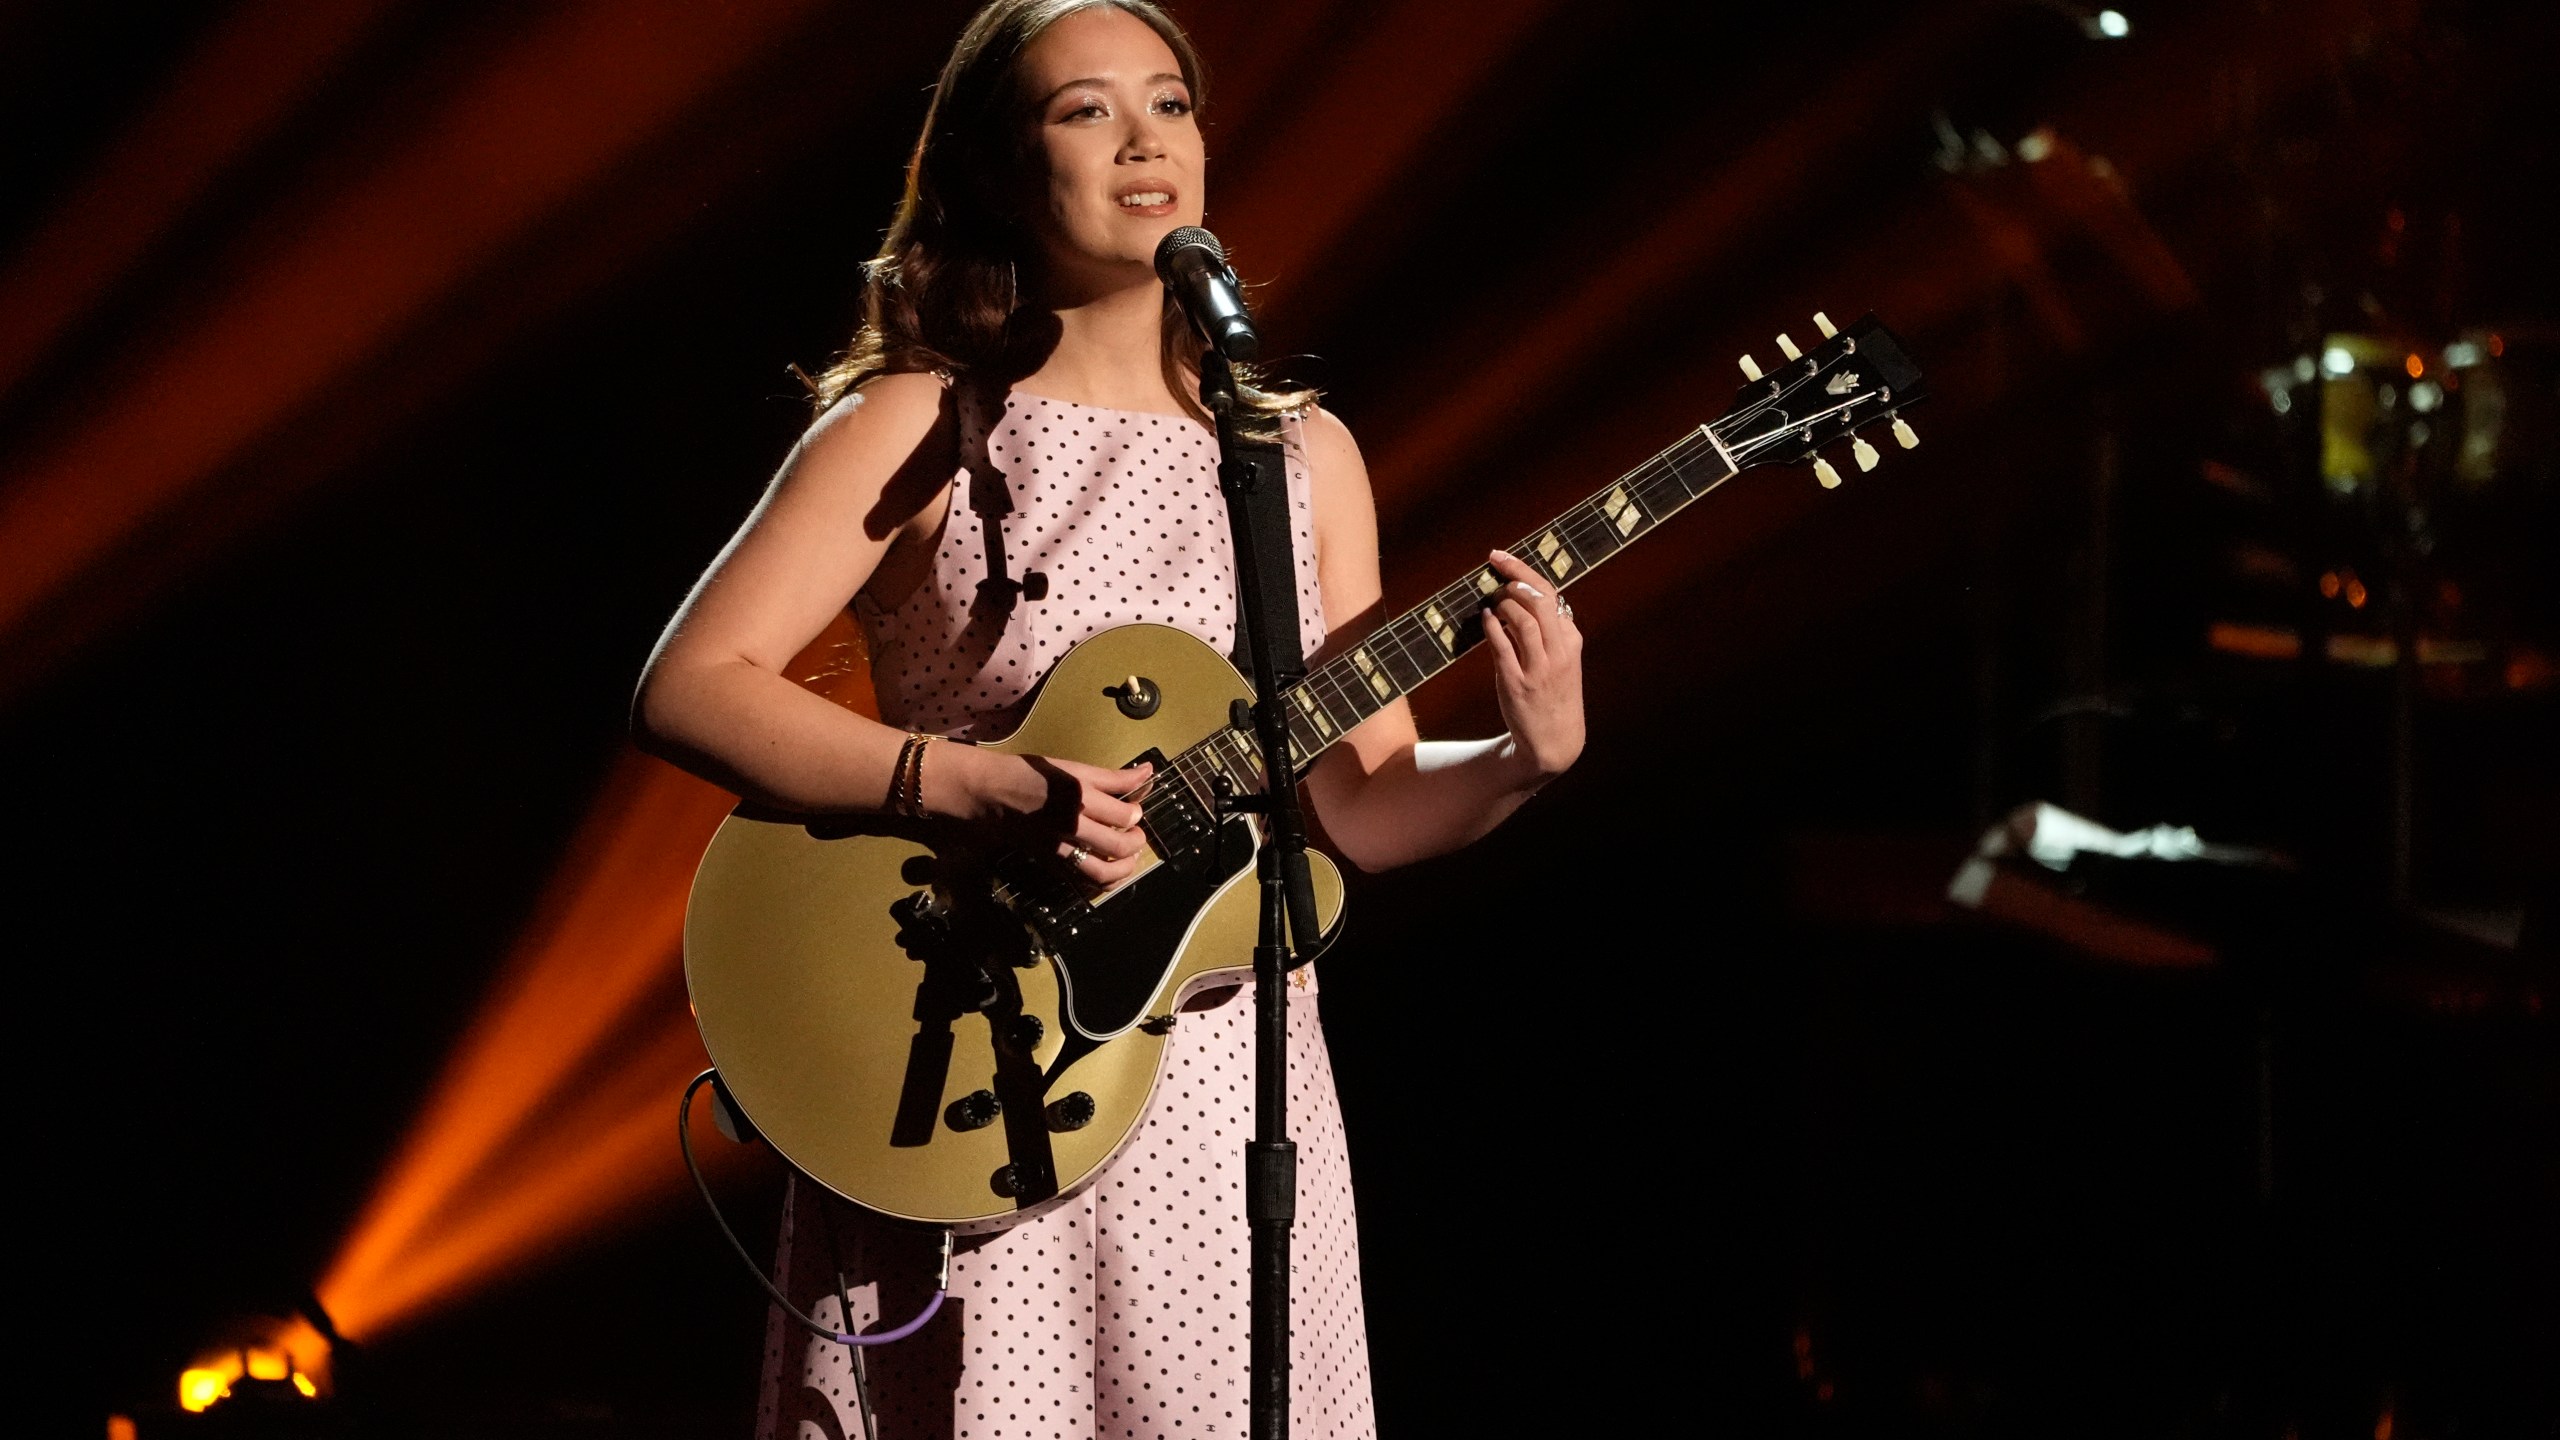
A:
1862,452
1823,472
1904,435
1750,368
1788,348
1823,323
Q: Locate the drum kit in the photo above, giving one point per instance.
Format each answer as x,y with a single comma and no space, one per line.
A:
2439,465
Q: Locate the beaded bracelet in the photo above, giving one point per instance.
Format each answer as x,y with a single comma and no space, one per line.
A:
906,787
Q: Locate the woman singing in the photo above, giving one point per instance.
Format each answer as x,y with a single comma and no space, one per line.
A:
1022,388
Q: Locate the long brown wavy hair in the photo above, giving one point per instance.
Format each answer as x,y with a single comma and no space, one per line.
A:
941,295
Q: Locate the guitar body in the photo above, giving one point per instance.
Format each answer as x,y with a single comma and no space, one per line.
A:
867,987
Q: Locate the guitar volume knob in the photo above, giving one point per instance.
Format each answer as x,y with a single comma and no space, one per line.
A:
1071,1112
1024,1034
974,1111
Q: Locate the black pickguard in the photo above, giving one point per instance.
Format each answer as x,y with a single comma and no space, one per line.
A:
1113,955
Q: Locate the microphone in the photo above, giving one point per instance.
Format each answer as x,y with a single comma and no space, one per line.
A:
1193,265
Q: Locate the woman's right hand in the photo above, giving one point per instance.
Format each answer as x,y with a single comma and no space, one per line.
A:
1086,815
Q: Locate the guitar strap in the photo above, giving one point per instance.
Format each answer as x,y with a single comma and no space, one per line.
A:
1266,512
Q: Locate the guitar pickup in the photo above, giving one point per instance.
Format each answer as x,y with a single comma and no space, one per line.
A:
1180,827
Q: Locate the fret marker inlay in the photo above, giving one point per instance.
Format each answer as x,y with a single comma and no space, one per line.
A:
1441,629
1622,510
1379,684
1314,712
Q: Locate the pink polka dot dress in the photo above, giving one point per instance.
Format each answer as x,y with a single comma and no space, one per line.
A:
1121,1312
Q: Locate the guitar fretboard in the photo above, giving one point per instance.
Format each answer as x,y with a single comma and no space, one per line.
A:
1407,651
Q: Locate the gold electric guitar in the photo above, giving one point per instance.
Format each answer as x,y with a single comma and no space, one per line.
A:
962,1039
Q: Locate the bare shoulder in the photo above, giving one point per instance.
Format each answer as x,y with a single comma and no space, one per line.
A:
1329,442
1334,465
875,430
1346,517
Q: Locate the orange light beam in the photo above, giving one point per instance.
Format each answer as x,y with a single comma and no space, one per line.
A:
1691,232
542,1122
589,83
604,1161
1336,151
259,64
608,936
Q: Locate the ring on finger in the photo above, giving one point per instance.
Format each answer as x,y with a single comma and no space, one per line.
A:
1563,608
1077,854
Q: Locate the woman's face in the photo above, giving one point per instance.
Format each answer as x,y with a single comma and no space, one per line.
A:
1122,152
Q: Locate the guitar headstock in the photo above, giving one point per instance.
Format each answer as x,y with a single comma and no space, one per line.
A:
1854,380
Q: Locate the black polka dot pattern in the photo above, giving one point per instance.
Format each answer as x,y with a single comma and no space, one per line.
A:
1117,510
1121,1313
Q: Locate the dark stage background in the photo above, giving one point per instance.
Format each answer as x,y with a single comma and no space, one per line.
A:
376,375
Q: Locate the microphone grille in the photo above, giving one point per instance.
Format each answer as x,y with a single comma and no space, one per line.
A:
1189,237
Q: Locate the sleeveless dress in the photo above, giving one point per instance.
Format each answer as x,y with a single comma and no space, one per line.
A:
1121,1312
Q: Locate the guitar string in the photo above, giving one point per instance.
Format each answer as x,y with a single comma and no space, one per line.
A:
1577,525
1583,528
1583,524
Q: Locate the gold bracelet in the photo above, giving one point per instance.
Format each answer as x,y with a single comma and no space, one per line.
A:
906,786
910,757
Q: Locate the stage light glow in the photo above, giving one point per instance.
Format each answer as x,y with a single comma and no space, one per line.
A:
2256,642
2113,25
199,1388
268,1365
550,1119
574,1176
2337,361
260,1348
481,1172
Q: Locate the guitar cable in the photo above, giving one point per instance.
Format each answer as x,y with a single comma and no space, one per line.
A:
806,1321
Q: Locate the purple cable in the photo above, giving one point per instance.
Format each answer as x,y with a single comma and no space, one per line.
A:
902,1332
684,1142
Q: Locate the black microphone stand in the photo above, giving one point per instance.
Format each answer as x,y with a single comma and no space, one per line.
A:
1254,477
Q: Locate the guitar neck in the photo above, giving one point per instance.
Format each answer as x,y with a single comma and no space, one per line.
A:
1406,652
1858,377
